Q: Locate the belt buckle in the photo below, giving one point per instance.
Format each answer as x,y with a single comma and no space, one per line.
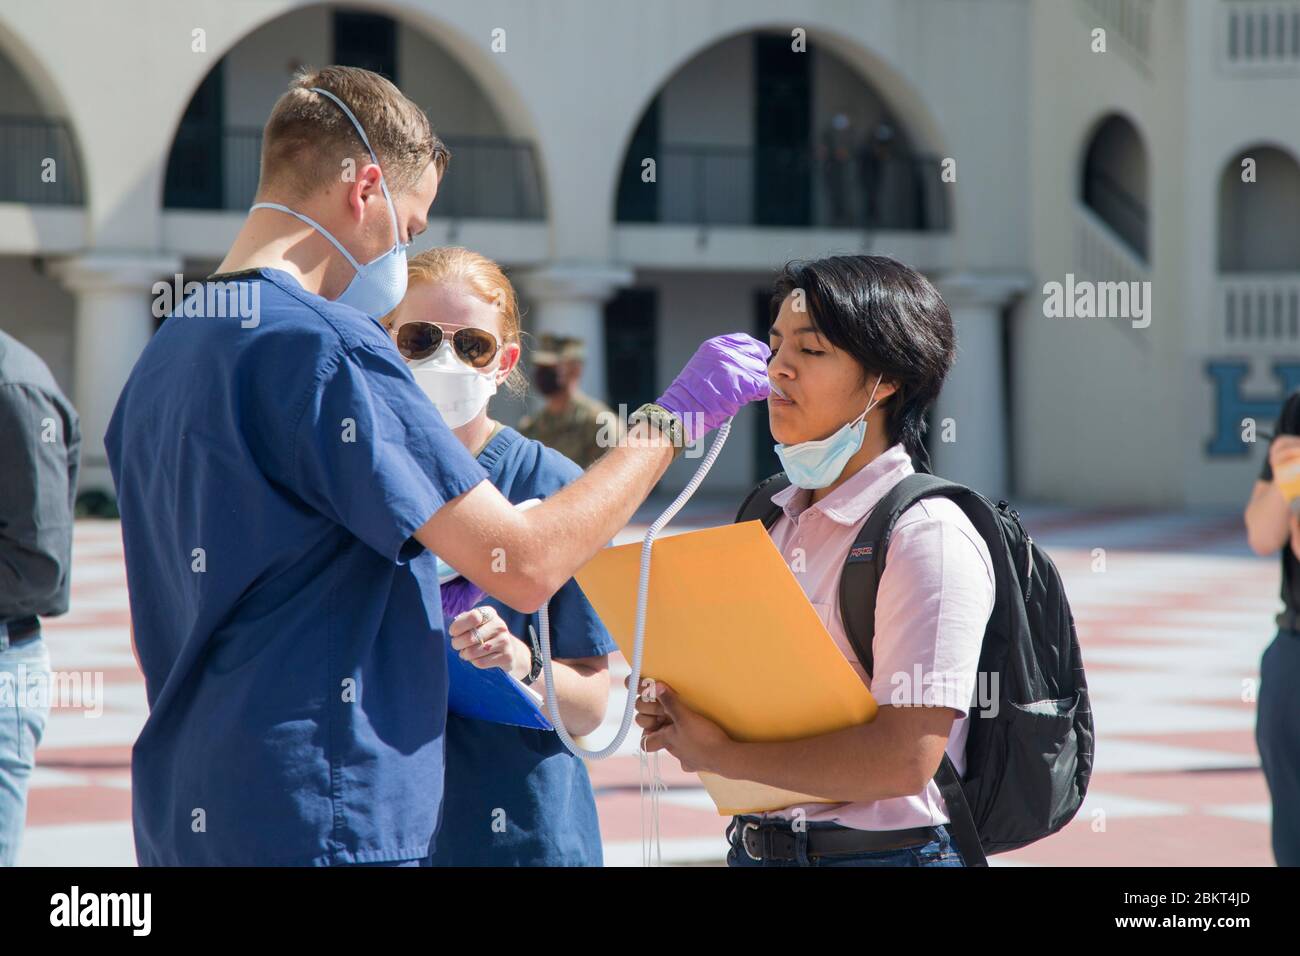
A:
744,844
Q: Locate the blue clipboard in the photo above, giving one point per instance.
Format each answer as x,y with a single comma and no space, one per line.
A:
491,695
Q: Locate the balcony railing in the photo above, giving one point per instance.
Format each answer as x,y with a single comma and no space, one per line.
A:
38,163
1127,21
1259,311
1100,254
490,177
1259,37
793,187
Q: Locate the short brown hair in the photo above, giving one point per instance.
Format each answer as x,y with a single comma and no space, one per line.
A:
482,278
308,137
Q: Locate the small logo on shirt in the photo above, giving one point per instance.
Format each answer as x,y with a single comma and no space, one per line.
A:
864,552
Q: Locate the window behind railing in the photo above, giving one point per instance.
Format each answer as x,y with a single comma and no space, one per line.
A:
1118,208
1260,35
38,163
717,185
366,40
490,177
1128,20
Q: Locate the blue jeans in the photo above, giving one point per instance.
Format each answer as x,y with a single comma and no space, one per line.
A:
24,708
1277,735
938,852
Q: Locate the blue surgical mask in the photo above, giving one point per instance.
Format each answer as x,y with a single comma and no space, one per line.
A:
816,464
379,285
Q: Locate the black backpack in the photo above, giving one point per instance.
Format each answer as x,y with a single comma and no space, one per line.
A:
1027,763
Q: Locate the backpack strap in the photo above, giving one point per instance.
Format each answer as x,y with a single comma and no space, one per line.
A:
859,583
758,503
865,563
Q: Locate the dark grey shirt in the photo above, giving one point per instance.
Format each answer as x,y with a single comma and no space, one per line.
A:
40,452
1288,423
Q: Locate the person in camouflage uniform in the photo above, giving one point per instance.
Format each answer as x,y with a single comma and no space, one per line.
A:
570,421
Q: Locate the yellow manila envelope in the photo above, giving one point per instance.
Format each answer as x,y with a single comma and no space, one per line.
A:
730,629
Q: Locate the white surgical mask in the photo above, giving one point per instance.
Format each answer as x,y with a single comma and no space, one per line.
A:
816,464
459,391
379,285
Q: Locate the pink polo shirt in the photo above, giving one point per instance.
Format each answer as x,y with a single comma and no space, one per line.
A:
934,601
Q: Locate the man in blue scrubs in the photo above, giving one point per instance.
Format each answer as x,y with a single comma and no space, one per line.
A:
284,485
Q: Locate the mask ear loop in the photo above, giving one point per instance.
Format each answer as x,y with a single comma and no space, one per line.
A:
383,180
314,224
870,398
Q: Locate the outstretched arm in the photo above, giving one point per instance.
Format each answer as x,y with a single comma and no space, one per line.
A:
523,557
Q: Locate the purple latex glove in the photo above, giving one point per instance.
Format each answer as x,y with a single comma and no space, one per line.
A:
725,373
459,596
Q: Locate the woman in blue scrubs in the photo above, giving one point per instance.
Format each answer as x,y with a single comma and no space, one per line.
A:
514,795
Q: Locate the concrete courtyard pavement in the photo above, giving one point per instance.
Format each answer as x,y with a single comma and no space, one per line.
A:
1173,614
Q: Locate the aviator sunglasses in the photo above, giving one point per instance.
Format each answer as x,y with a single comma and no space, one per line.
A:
418,340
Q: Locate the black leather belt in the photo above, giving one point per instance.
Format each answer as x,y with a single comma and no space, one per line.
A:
776,841
23,629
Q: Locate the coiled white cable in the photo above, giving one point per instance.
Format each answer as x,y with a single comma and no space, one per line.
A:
642,597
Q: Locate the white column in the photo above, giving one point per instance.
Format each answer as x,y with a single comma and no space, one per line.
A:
114,323
972,407
569,299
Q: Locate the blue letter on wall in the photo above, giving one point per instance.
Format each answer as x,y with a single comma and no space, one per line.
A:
1230,406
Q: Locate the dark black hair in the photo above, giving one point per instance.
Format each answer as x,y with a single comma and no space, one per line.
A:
888,317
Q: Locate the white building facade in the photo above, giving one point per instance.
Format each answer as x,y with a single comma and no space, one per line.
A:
997,145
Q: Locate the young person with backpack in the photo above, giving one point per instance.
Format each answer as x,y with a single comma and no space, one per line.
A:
940,602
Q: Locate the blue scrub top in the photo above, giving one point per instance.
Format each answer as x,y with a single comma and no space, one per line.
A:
289,627
515,796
